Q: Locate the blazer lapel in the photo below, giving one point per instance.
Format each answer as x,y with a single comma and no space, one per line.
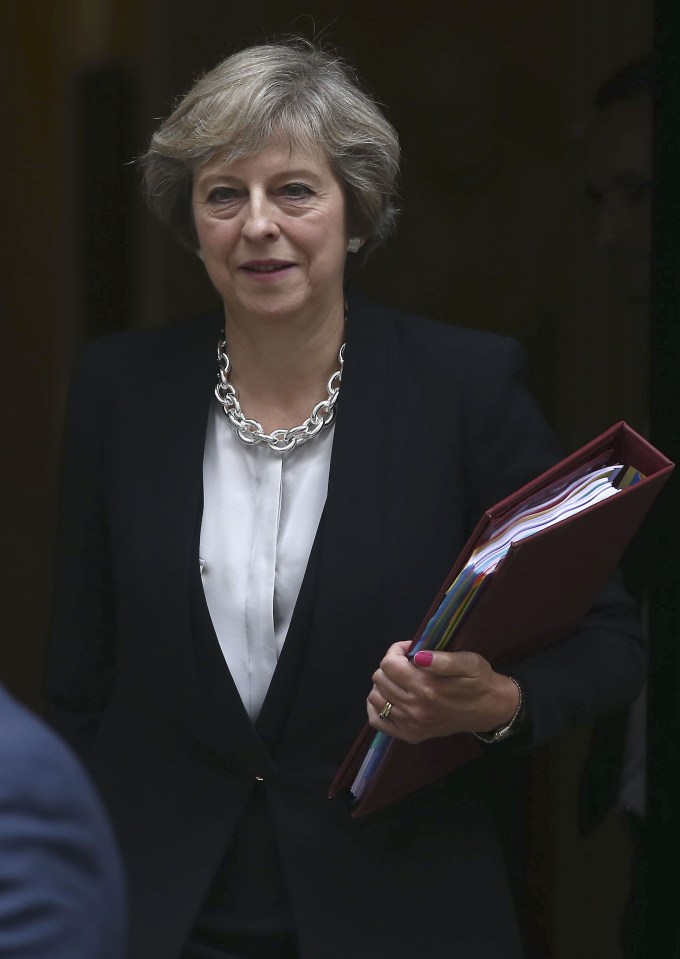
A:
343,584
211,704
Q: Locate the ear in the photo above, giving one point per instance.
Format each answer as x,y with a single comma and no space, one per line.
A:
354,244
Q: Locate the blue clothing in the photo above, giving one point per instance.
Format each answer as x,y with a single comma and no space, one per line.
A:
61,881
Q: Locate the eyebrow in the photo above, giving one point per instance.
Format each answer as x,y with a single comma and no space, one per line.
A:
298,173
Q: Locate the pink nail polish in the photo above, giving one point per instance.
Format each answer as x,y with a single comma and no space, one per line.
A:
423,658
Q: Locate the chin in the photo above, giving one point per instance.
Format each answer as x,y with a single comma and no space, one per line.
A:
266,307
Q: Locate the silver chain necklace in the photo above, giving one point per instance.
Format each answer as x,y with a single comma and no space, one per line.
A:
251,433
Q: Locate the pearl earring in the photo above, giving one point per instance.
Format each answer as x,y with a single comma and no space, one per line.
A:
354,244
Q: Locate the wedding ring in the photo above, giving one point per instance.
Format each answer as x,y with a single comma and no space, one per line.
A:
386,710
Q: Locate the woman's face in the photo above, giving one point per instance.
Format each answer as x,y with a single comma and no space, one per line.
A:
272,232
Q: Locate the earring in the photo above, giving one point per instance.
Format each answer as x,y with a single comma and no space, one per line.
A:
199,254
354,244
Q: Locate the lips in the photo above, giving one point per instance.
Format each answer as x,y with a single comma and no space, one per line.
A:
266,266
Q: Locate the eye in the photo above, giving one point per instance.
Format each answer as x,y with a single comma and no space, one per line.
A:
222,194
296,191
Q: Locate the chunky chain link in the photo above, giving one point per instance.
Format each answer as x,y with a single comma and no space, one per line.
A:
251,433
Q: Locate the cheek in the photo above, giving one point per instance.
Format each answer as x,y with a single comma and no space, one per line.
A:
201,233
215,237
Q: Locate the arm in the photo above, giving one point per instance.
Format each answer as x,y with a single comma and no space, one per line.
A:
61,886
597,669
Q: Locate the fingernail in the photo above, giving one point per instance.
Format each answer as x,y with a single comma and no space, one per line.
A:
423,658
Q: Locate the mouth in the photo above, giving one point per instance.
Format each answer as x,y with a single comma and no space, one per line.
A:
266,266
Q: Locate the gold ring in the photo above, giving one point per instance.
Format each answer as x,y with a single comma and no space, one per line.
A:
386,710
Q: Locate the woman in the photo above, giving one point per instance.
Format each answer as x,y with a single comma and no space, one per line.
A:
234,568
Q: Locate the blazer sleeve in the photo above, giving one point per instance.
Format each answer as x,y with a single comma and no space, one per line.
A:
601,666
60,874
81,651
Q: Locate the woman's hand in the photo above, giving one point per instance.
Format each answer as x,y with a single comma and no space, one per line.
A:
438,694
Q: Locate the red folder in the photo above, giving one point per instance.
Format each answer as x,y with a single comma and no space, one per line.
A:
538,595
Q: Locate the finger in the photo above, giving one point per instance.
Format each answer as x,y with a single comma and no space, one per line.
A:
396,666
384,689
384,723
386,718
397,652
461,664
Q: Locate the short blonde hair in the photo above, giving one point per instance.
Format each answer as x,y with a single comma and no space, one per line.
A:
290,90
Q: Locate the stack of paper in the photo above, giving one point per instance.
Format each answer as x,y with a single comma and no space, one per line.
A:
573,494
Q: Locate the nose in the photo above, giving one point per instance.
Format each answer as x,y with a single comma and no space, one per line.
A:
260,218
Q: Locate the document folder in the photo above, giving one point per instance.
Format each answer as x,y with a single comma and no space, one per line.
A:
538,595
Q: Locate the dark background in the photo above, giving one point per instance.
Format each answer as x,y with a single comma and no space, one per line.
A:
489,98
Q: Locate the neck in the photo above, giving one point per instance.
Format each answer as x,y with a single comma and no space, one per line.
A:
281,367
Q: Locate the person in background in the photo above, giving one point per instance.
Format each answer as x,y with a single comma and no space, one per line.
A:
618,157
618,152
61,881
241,569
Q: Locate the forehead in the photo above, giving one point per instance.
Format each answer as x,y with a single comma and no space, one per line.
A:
278,157
619,141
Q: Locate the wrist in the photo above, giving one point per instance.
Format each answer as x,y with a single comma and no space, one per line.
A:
505,730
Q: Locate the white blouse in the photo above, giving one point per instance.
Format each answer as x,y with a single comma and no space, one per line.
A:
261,512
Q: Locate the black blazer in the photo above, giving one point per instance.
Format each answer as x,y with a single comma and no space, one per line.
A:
433,426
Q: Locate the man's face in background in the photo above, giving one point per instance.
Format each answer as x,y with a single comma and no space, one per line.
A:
618,149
